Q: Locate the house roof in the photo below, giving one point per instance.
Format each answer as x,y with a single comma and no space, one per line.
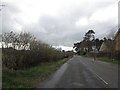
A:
118,32
106,45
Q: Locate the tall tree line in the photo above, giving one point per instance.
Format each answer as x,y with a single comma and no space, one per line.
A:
88,43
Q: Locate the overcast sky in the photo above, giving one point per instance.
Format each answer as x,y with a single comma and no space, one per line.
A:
60,22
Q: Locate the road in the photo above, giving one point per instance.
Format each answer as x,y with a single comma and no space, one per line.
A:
80,72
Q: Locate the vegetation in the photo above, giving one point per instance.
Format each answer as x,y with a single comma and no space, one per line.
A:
86,45
26,51
106,59
26,60
91,47
29,77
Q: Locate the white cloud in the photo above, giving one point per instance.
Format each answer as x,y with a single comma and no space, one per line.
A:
105,14
66,48
32,10
82,22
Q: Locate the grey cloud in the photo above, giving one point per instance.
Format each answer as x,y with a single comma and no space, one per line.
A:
66,34
61,30
7,17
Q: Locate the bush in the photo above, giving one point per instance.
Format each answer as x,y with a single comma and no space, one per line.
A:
36,54
21,59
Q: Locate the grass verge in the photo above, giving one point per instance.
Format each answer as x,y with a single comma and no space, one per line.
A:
29,77
106,59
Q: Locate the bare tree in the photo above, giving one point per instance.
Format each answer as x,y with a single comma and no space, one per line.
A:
25,39
9,38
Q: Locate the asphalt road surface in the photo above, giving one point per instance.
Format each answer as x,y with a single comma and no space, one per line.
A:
80,72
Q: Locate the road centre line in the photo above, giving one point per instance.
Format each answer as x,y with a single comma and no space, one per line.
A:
96,74
99,77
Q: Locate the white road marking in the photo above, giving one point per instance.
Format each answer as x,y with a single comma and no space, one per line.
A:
99,77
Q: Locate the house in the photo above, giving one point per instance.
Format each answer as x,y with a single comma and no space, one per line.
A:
117,41
117,44
110,47
107,46
103,47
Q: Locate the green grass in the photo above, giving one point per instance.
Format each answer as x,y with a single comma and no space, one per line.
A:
106,59
29,77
